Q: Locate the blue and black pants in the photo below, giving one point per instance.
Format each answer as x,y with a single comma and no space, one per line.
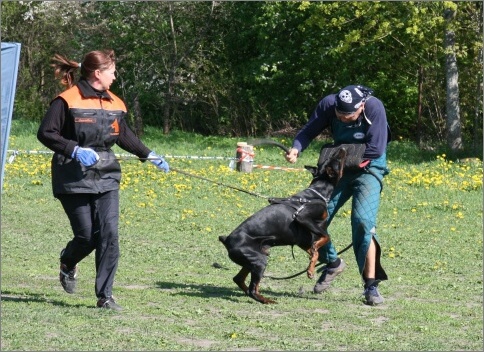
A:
364,188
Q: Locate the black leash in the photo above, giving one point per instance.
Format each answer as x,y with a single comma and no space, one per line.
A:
260,196
255,143
219,183
302,272
199,177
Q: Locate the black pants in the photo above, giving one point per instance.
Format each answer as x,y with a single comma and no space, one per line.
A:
94,221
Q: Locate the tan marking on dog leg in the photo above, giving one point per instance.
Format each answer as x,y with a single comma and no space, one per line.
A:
239,279
315,254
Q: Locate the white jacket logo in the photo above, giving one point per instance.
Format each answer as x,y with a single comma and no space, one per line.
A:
359,135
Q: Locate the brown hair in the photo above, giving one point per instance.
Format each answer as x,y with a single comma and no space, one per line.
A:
94,60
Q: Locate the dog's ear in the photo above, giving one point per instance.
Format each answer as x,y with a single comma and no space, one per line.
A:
313,170
342,153
334,167
342,159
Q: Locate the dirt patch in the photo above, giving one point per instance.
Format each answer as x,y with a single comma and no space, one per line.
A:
196,342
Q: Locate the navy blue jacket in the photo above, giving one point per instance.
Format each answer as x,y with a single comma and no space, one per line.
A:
377,132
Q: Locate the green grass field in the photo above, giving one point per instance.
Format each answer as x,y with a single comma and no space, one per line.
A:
430,227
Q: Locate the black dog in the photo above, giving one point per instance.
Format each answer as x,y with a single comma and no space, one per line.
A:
299,220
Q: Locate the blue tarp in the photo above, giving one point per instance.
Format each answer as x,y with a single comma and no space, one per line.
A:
10,62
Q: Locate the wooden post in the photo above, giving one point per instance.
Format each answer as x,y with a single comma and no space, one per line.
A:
244,156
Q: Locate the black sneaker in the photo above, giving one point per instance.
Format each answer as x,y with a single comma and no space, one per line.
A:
328,275
372,296
109,303
68,278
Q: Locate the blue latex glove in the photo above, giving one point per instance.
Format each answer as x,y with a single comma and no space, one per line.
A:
158,161
86,156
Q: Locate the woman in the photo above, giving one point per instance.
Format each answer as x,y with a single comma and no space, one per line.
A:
80,126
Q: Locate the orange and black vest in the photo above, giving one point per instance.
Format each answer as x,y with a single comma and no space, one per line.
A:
96,117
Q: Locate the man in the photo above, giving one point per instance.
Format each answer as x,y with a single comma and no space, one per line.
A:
353,116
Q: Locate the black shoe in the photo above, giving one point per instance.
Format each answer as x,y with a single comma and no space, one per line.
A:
68,278
109,303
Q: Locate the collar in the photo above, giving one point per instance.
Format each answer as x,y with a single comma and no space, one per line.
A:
319,194
88,91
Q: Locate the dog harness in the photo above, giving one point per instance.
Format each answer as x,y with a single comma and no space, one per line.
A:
294,202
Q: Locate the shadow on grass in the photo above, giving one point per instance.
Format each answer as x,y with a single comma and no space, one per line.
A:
204,291
10,296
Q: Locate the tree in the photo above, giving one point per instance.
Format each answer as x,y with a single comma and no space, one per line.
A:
255,68
454,138
303,50
468,28
36,25
159,44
